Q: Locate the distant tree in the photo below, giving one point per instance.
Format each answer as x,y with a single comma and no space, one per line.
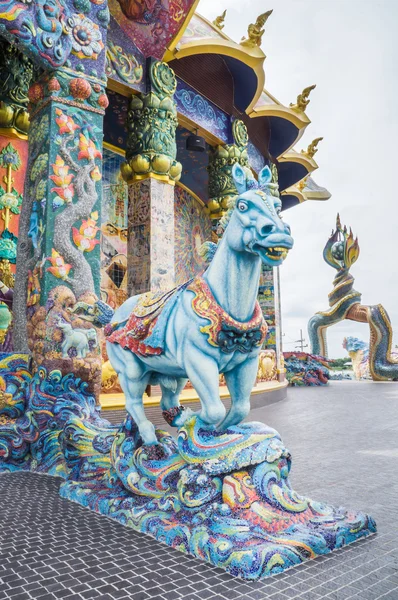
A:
340,363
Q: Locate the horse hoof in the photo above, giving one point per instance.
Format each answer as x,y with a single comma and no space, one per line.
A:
154,451
177,415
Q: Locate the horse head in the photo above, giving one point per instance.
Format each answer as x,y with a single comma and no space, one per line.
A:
255,225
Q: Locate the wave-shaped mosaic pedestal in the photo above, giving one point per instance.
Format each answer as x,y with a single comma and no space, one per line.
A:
222,497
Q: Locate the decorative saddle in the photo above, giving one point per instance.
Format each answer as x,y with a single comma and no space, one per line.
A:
145,330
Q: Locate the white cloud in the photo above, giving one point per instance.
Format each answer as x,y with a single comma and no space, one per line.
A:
350,50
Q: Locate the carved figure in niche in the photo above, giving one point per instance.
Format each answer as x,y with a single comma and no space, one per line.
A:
267,365
167,337
143,11
79,339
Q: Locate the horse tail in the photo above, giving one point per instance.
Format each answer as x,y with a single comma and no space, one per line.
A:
166,381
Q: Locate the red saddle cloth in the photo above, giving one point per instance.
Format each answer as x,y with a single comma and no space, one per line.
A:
133,333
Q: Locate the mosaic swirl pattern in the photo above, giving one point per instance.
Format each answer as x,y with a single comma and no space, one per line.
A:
224,497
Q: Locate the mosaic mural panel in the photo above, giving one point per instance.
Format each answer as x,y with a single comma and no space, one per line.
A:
197,30
113,231
266,298
150,25
192,227
13,160
202,112
124,62
256,159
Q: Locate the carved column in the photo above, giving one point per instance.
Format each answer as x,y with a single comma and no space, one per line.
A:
151,171
150,247
58,261
221,160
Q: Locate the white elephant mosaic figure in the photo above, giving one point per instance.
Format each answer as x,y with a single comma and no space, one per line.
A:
79,339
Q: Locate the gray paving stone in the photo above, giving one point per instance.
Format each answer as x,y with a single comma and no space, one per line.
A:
51,548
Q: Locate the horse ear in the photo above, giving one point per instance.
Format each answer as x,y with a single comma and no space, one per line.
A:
239,177
264,177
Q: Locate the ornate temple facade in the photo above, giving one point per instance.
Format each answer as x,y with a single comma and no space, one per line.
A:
126,131
119,127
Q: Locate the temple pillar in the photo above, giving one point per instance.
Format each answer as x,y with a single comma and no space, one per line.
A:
58,258
150,248
16,71
151,170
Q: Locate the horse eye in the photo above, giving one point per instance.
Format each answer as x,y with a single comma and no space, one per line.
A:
242,206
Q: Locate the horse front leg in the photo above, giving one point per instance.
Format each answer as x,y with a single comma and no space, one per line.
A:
240,382
203,373
133,380
173,413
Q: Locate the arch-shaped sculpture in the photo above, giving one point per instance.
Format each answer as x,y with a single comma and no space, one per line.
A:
340,252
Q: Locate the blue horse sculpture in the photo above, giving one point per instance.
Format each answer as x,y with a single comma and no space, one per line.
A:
209,326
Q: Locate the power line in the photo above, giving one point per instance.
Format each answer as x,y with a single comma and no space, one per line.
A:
301,342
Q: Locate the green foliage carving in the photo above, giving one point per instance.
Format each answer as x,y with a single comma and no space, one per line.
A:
152,123
39,166
221,161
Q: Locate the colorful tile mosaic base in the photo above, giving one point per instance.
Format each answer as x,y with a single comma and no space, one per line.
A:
222,497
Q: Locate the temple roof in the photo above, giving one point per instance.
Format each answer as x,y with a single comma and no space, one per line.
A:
218,78
305,190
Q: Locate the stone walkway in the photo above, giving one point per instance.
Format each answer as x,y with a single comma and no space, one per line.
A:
344,442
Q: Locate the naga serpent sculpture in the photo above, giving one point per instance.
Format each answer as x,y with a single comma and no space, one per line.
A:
340,252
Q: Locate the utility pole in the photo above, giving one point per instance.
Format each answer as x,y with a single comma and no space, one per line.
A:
301,342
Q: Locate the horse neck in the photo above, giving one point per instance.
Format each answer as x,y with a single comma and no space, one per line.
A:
233,278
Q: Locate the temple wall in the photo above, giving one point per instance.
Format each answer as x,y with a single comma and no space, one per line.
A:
16,151
193,227
113,232
266,298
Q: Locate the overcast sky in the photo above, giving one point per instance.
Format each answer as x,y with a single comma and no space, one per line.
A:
349,48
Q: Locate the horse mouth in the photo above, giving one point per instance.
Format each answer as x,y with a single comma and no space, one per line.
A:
276,253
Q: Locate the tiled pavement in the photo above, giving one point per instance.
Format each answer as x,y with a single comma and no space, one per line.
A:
344,442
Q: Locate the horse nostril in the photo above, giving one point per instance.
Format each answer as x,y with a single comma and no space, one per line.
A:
267,229
287,228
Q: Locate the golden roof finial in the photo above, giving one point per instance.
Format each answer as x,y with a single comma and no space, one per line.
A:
303,99
219,21
312,148
255,31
